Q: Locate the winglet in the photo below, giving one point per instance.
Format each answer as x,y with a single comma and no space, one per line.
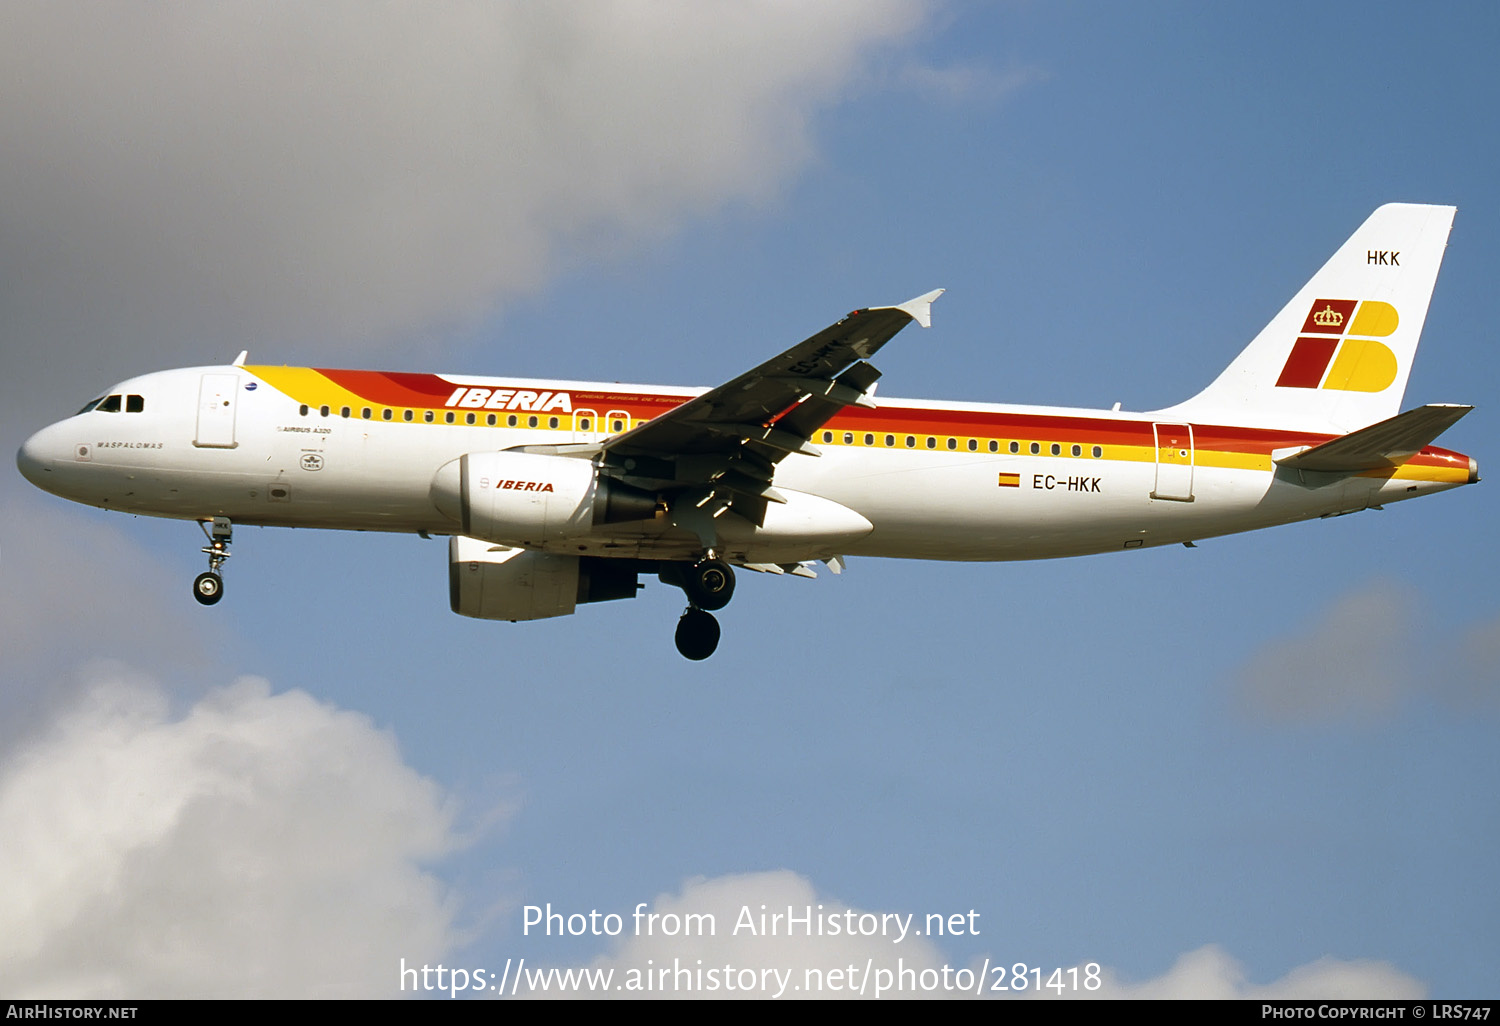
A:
919,309
239,361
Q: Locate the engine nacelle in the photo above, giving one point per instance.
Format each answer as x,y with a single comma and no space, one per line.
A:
497,582
527,499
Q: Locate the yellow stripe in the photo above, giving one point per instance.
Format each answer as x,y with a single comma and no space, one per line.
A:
307,386
1418,472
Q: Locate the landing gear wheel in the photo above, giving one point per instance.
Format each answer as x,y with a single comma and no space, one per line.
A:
208,588
697,634
709,584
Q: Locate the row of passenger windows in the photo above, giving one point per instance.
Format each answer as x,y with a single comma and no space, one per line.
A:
114,403
971,444
616,424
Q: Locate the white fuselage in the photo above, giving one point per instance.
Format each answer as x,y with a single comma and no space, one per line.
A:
226,442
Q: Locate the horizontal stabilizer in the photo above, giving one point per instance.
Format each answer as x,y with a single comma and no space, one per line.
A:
1389,443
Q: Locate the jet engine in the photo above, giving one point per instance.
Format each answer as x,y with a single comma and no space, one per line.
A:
528,499
497,582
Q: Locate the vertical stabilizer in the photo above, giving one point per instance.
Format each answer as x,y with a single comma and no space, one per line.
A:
1337,356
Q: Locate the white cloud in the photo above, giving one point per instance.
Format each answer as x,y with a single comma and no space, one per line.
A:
77,587
1352,663
697,966
178,181
1369,653
75,582
968,82
258,845
777,964
1210,973
1475,682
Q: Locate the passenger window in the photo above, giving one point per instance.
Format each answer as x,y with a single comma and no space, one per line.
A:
511,421
468,418
1077,450
531,422
490,420
406,415
1036,448
428,416
931,442
890,441
367,413
302,409
848,438
1098,452
344,412
322,411
1015,447
552,423
135,404
973,445
869,439
1056,449
994,445
111,404
827,436
583,425
911,441
385,414
617,425
953,443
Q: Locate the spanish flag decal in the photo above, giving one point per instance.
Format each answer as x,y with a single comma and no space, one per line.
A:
1010,480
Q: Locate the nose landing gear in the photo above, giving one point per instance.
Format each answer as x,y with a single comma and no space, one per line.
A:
708,584
208,587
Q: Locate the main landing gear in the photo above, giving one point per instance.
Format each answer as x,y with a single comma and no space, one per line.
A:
708,584
208,587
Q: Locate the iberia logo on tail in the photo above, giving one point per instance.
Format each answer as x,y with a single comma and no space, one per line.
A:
1348,328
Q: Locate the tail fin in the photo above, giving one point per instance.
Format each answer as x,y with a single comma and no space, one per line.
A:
1337,356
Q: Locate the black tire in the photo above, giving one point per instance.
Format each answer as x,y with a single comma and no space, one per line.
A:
697,634
208,588
709,584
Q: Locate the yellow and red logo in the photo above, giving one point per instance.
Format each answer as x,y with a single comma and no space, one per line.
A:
1361,365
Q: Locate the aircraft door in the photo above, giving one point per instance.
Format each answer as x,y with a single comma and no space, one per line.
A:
216,401
1174,462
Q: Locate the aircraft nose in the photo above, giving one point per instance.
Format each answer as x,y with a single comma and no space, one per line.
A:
34,459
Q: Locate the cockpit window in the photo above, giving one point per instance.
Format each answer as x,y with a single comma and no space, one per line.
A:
109,404
135,404
89,406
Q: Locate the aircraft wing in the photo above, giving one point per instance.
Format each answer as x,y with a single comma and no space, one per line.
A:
1389,443
725,444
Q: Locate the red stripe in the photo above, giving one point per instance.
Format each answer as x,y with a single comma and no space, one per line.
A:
429,390
392,389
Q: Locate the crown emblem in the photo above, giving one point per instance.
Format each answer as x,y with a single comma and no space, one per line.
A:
1328,317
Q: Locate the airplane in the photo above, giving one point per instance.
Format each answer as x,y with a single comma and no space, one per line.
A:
555,494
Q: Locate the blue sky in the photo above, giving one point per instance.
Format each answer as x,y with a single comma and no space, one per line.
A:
1254,764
